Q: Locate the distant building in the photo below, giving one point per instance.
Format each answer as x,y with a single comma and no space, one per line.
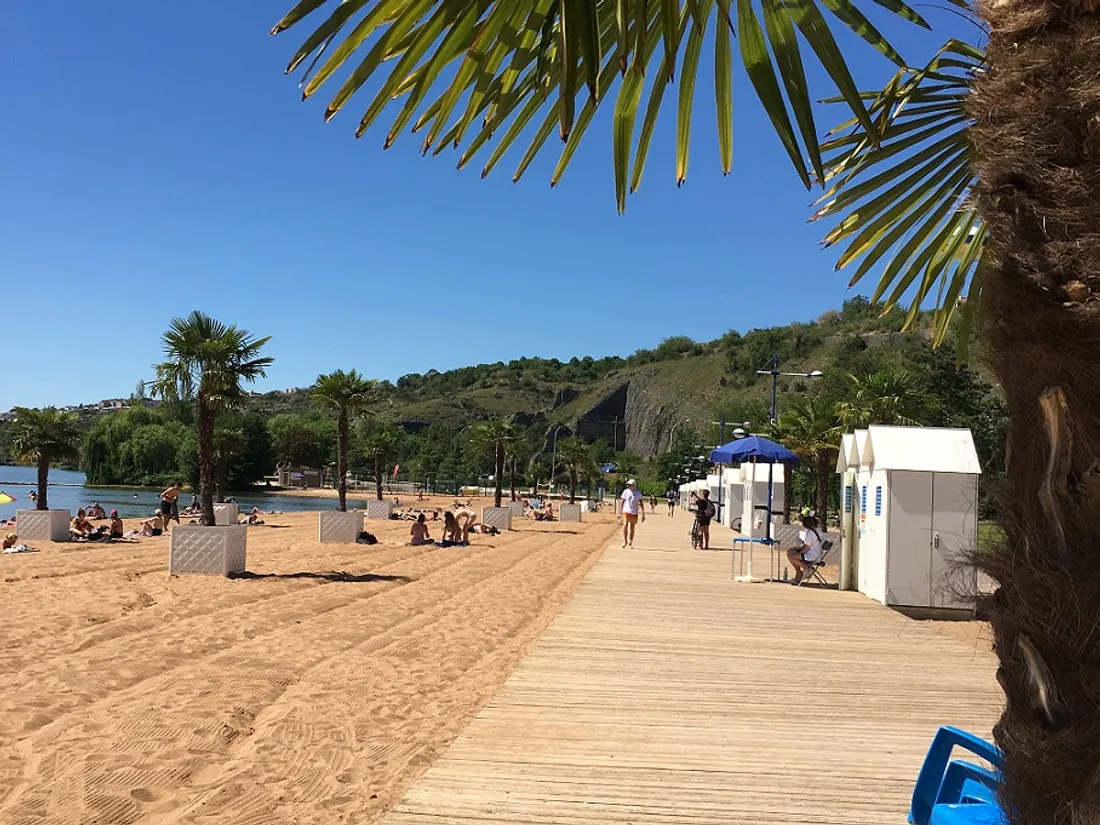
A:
299,477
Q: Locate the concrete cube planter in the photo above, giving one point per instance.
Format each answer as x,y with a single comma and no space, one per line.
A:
516,507
225,514
335,527
193,548
569,512
42,525
498,517
379,509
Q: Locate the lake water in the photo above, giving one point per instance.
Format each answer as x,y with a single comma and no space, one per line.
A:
67,492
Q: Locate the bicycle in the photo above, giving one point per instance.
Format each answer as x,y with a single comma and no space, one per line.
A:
696,535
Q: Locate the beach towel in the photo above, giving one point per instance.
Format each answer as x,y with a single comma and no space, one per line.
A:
21,548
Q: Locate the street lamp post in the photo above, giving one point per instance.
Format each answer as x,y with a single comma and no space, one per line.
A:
773,371
554,456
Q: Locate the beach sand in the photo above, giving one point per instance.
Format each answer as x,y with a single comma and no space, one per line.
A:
314,690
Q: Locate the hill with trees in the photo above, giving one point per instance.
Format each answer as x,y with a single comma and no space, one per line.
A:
651,413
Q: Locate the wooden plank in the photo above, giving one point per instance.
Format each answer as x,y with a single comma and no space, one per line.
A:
666,693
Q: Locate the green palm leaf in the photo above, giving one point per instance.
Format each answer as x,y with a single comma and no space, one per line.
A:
903,195
445,62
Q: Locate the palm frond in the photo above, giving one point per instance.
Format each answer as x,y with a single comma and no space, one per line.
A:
509,60
902,196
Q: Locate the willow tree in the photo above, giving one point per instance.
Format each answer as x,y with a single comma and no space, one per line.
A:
973,180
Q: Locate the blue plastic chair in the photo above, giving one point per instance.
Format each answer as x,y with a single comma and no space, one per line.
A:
966,782
931,779
967,814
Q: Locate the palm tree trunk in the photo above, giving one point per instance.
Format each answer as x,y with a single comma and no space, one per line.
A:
821,476
342,460
206,462
499,475
512,478
572,486
1037,156
43,483
378,475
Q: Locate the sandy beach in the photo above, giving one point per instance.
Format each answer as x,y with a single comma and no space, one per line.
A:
314,690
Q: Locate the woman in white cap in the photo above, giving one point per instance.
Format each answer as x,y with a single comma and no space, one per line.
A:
631,506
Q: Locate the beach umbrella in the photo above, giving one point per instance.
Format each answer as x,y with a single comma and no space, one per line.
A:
753,449
5,498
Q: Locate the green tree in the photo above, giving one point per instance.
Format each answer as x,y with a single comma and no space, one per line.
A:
574,456
348,394
380,447
206,361
41,437
516,454
886,397
497,435
813,430
230,445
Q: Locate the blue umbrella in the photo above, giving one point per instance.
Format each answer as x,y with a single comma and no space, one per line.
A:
751,449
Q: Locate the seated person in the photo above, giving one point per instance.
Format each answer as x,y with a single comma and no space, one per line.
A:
255,516
96,512
419,532
116,527
9,541
80,527
807,550
547,513
153,526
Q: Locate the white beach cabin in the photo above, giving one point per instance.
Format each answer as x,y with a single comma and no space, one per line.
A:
754,480
916,502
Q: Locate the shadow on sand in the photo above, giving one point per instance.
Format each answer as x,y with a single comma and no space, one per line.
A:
328,576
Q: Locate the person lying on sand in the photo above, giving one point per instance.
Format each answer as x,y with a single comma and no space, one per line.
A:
255,516
9,541
419,532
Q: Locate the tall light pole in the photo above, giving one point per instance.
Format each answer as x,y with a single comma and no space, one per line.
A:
672,431
773,371
554,455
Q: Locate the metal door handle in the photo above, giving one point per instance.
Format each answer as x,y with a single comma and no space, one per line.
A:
936,540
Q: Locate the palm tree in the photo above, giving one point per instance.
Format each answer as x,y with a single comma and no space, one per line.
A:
206,361
349,394
575,457
970,178
499,435
885,397
380,446
813,431
42,437
516,453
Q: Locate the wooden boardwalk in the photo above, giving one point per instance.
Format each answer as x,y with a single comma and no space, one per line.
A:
666,693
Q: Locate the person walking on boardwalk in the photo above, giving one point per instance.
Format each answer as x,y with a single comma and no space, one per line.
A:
673,499
631,506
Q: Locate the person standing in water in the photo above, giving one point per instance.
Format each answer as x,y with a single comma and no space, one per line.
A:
631,507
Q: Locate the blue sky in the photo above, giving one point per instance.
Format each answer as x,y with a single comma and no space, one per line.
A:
156,160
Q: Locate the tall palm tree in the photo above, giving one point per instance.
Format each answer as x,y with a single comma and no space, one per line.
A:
348,394
885,397
813,430
42,437
380,446
969,178
575,457
498,435
205,362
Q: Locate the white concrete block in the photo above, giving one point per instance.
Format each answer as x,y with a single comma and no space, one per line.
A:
379,509
226,514
516,507
498,517
42,525
193,548
569,512
335,527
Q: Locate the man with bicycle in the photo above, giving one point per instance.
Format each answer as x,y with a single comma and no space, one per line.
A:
704,512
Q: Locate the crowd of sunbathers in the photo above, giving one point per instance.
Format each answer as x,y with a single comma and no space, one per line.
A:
457,527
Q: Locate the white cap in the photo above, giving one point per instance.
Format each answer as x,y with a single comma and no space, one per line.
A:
631,481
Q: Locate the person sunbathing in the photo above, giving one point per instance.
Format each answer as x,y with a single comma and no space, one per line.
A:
419,533
9,541
152,526
116,526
